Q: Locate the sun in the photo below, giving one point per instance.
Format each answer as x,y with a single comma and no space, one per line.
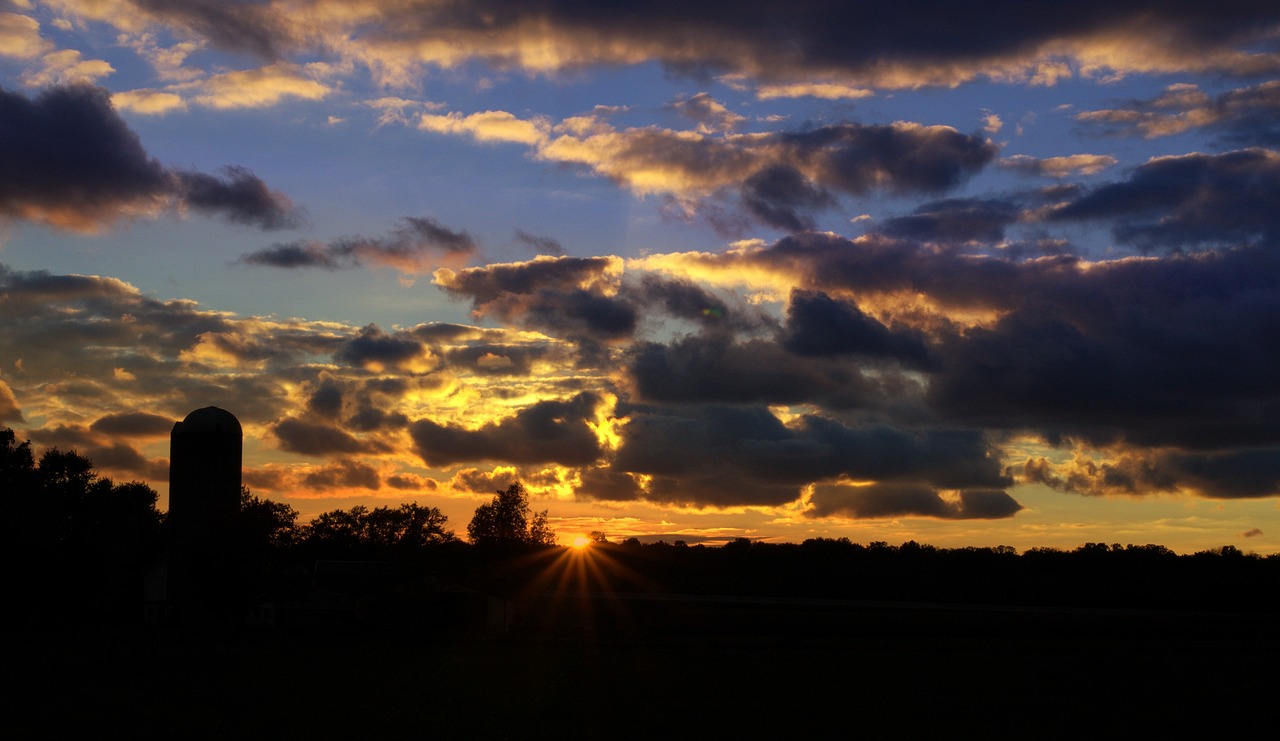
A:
580,542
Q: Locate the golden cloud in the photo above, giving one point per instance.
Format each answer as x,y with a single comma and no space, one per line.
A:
257,88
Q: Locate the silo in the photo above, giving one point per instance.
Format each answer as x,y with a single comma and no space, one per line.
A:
204,500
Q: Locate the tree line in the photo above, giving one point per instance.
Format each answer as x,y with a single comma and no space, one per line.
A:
84,538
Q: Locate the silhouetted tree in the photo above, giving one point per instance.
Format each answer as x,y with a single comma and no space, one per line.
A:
383,532
84,539
265,524
17,466
506,521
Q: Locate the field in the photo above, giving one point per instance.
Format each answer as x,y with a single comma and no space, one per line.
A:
590,667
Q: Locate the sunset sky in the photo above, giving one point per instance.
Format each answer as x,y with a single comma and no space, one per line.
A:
998,273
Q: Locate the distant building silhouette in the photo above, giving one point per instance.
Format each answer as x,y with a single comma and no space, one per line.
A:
205,451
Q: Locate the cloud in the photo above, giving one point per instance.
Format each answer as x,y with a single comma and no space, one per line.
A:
1150,351
571,296
319,439
108,455
909,500
885,44
1246,115
258,88
75,164
95,343
710,114
1058,167
148,102
744,455
487,126
241,196
66,67
264,29
824,90
10,410
373,348
956,220
544,432
819,325
343,474
418,245
1191,200
1231,474
133,424
20,37
782,197
779,178
540,245
717,369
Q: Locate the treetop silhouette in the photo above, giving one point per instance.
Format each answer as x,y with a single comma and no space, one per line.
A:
506,521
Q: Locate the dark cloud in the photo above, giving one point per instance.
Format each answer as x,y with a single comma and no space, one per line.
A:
373,347
484,482
326,400
120,458
781,179
411,482
497,360
711,369
604,484
72,162
418,245
1235,474
902,158
241,196
133,424
311,438
544,432
568,296
955,220
780,196
684,299
344,474
909,500
1191,200
369,418
819,325
1153,352
901,43
109,457
540,245
1174,351
735,456
254,27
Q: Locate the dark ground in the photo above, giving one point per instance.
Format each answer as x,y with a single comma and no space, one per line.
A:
608,667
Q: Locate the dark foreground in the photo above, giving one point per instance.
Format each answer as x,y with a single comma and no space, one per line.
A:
606,667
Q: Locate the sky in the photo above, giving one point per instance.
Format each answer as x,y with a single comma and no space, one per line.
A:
980,274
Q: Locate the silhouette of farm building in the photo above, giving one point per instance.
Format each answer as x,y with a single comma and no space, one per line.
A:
205,451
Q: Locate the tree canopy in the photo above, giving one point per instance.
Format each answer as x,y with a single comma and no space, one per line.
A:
506,521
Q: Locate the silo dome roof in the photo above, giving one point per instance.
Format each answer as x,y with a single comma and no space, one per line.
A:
212,419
